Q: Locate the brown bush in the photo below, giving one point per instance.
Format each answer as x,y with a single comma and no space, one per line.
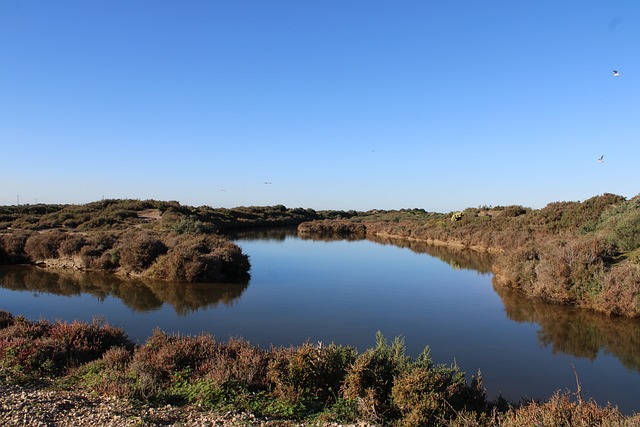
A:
41,348
621,291
237,363
71,244
561,410
200,258
12,247
163,356
40,246
138,250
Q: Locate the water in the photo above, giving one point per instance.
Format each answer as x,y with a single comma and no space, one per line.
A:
344,292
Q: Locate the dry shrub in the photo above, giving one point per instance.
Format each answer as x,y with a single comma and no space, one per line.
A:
200,258
12,247
117,358
237,363
110,374
572,271
41,348
138,250
517,268
163,356
84,342
621,293
561,411
71,244
97,252
41,246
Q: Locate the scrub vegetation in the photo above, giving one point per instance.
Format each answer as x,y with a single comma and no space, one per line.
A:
150,239
584,254
313,382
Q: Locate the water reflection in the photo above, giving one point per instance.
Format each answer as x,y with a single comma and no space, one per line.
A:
565,330
137,294
465,259
576,331
276,234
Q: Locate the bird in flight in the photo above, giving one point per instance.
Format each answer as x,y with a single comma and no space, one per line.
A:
601,159
615,73
267,182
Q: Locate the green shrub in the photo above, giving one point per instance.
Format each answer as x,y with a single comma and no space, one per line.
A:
370,379
309,372
428,395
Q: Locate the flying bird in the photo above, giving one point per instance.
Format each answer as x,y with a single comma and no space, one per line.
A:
615,73
267,182
601,159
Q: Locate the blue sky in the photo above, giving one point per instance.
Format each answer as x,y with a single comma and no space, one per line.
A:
338,104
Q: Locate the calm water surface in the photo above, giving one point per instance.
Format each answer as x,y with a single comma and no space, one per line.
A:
345,291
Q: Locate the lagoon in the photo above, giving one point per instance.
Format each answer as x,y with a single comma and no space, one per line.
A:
344,292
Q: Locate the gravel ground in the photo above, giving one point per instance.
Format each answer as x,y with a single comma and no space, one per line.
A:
38,407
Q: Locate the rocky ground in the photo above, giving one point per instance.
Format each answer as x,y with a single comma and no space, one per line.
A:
39,407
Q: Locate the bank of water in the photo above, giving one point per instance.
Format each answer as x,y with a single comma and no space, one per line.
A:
343,292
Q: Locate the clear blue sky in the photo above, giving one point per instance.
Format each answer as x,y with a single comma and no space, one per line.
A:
342,104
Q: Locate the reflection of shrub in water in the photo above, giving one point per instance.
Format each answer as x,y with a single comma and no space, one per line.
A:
333,228
574,331
466,259
138,294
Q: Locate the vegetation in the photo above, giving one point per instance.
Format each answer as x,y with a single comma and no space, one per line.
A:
152,239
139,294
584,254
317,382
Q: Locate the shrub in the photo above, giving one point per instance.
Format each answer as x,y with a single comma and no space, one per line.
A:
41,246
626,233
138,250
12,247
237,363
311,373
560,410
200,259
71,244
430,395
164,359
6,319
41,348
370,379
621,291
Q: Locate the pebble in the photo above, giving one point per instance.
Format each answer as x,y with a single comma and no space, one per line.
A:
29,406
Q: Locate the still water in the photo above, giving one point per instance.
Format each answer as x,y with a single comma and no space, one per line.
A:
343,292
